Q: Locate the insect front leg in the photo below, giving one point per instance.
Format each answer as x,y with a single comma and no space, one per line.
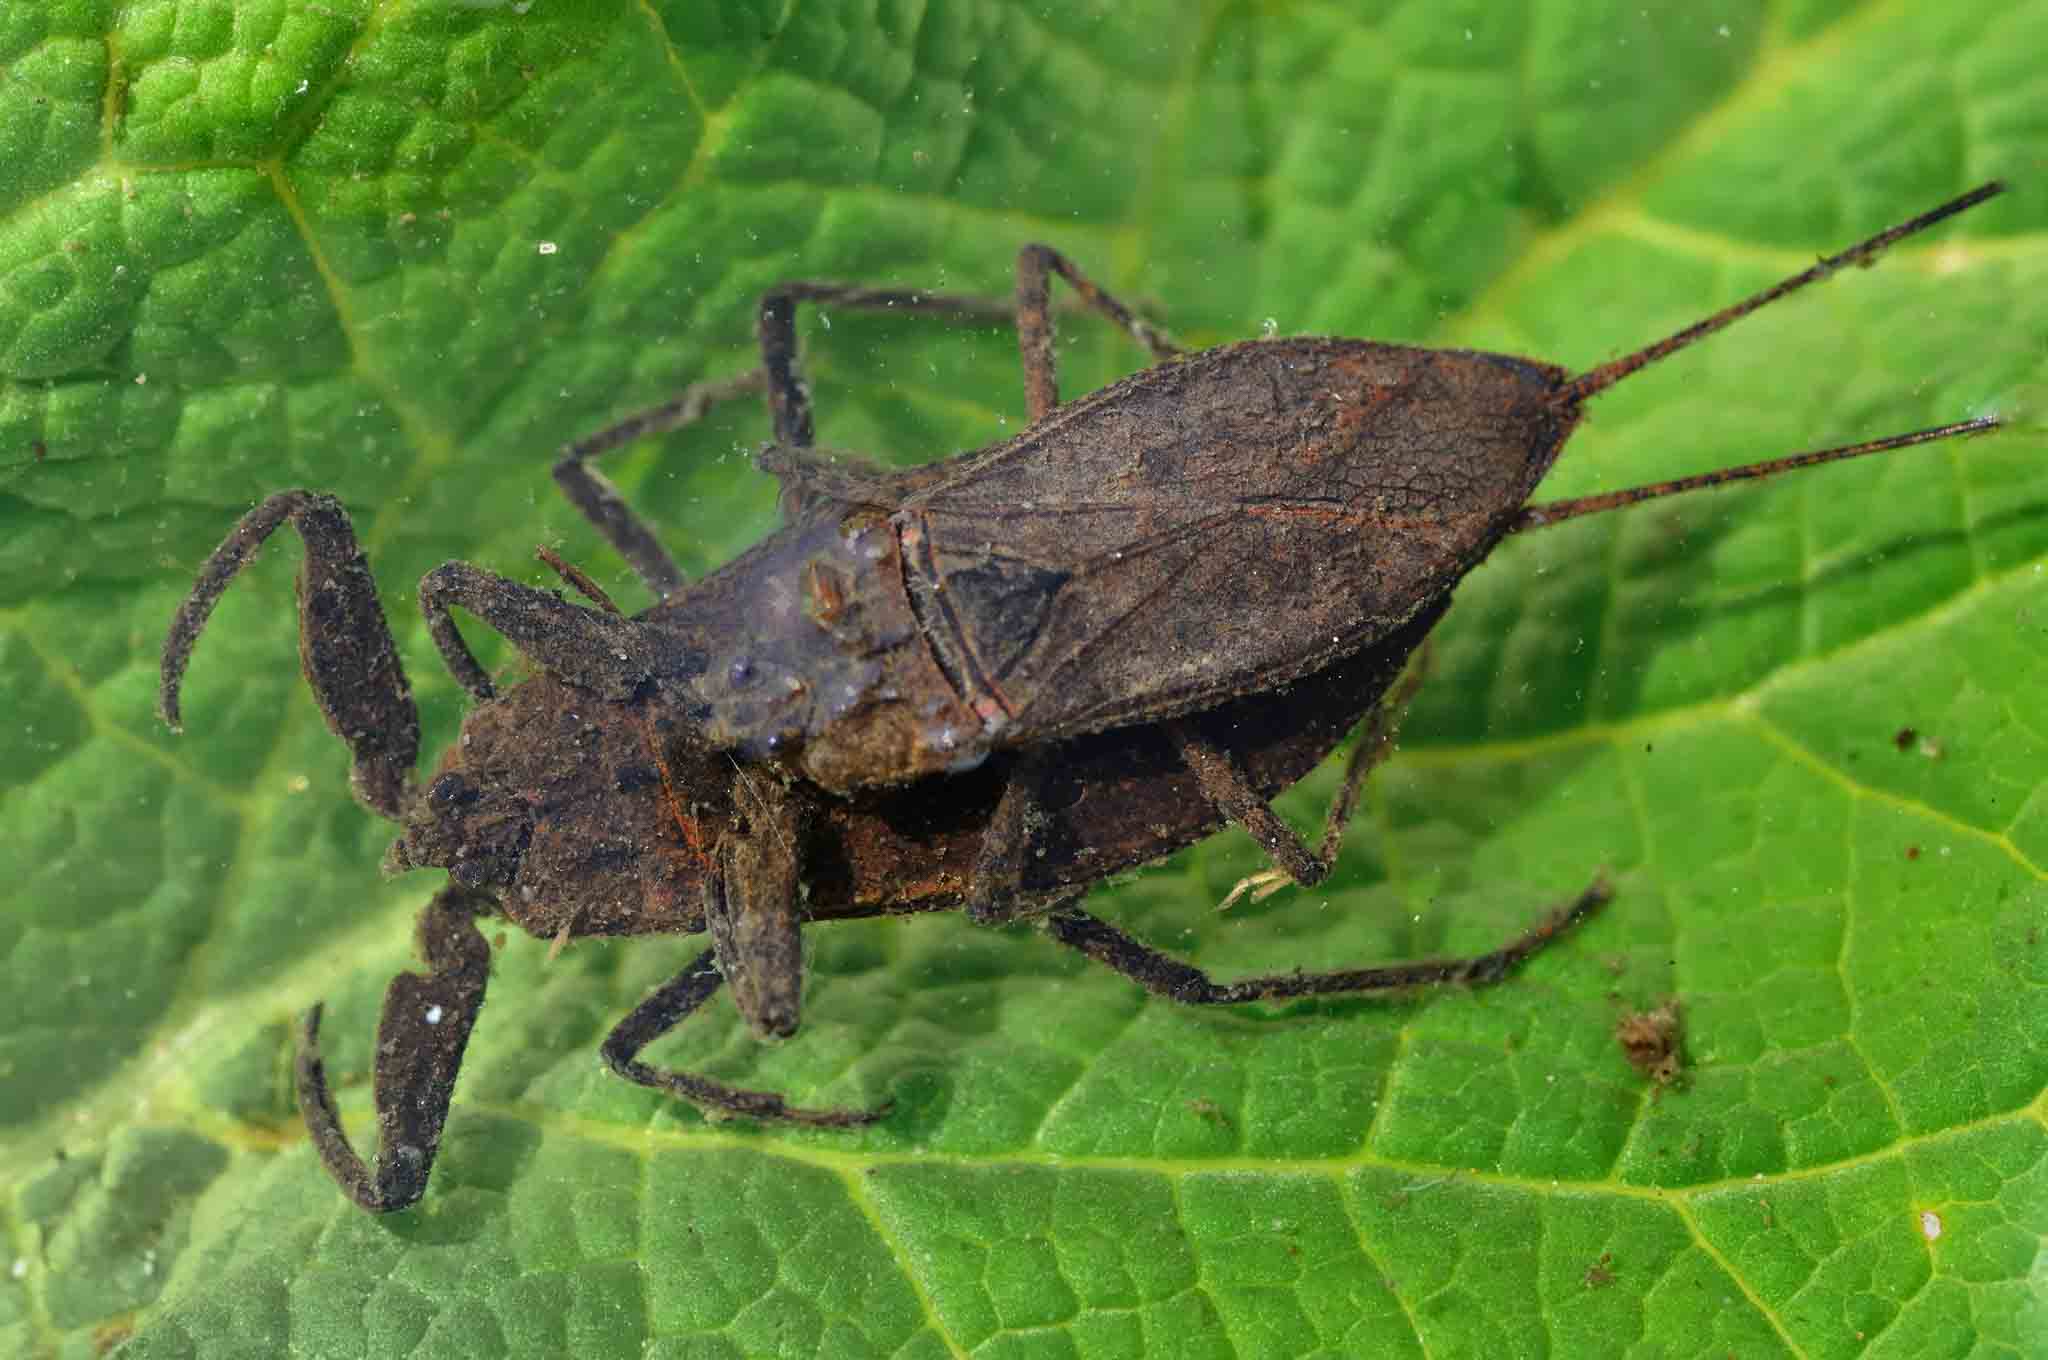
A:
1166,976
668,1006
594,649
420,1037
345,644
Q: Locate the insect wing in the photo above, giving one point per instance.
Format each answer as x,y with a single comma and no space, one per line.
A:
1221,524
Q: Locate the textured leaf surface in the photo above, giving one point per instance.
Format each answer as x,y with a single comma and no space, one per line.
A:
400,252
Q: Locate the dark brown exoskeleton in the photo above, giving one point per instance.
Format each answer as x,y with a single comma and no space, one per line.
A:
572,815
1213,526
1051,658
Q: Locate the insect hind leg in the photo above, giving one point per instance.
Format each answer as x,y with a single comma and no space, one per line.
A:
1163,975
1293,862
789,402
1036,264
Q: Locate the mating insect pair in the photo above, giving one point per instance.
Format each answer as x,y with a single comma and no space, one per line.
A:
985,682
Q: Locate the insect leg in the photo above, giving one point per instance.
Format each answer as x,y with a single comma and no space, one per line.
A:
590,648
420,1037
1224,784
1036,264
994,895
345,644
789,401
1374,745
593,494
668,1006
1169,977
750,908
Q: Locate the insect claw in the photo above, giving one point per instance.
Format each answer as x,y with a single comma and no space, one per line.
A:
1258,887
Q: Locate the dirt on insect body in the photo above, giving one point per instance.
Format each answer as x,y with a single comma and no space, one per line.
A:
987,682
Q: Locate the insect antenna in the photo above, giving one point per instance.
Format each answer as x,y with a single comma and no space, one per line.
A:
1596,380
1552,512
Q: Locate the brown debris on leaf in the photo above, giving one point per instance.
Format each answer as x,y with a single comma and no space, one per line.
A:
1653,1041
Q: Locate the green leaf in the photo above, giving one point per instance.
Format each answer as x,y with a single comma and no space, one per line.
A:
401,252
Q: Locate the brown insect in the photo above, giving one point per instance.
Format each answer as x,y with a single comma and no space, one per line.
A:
986,681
